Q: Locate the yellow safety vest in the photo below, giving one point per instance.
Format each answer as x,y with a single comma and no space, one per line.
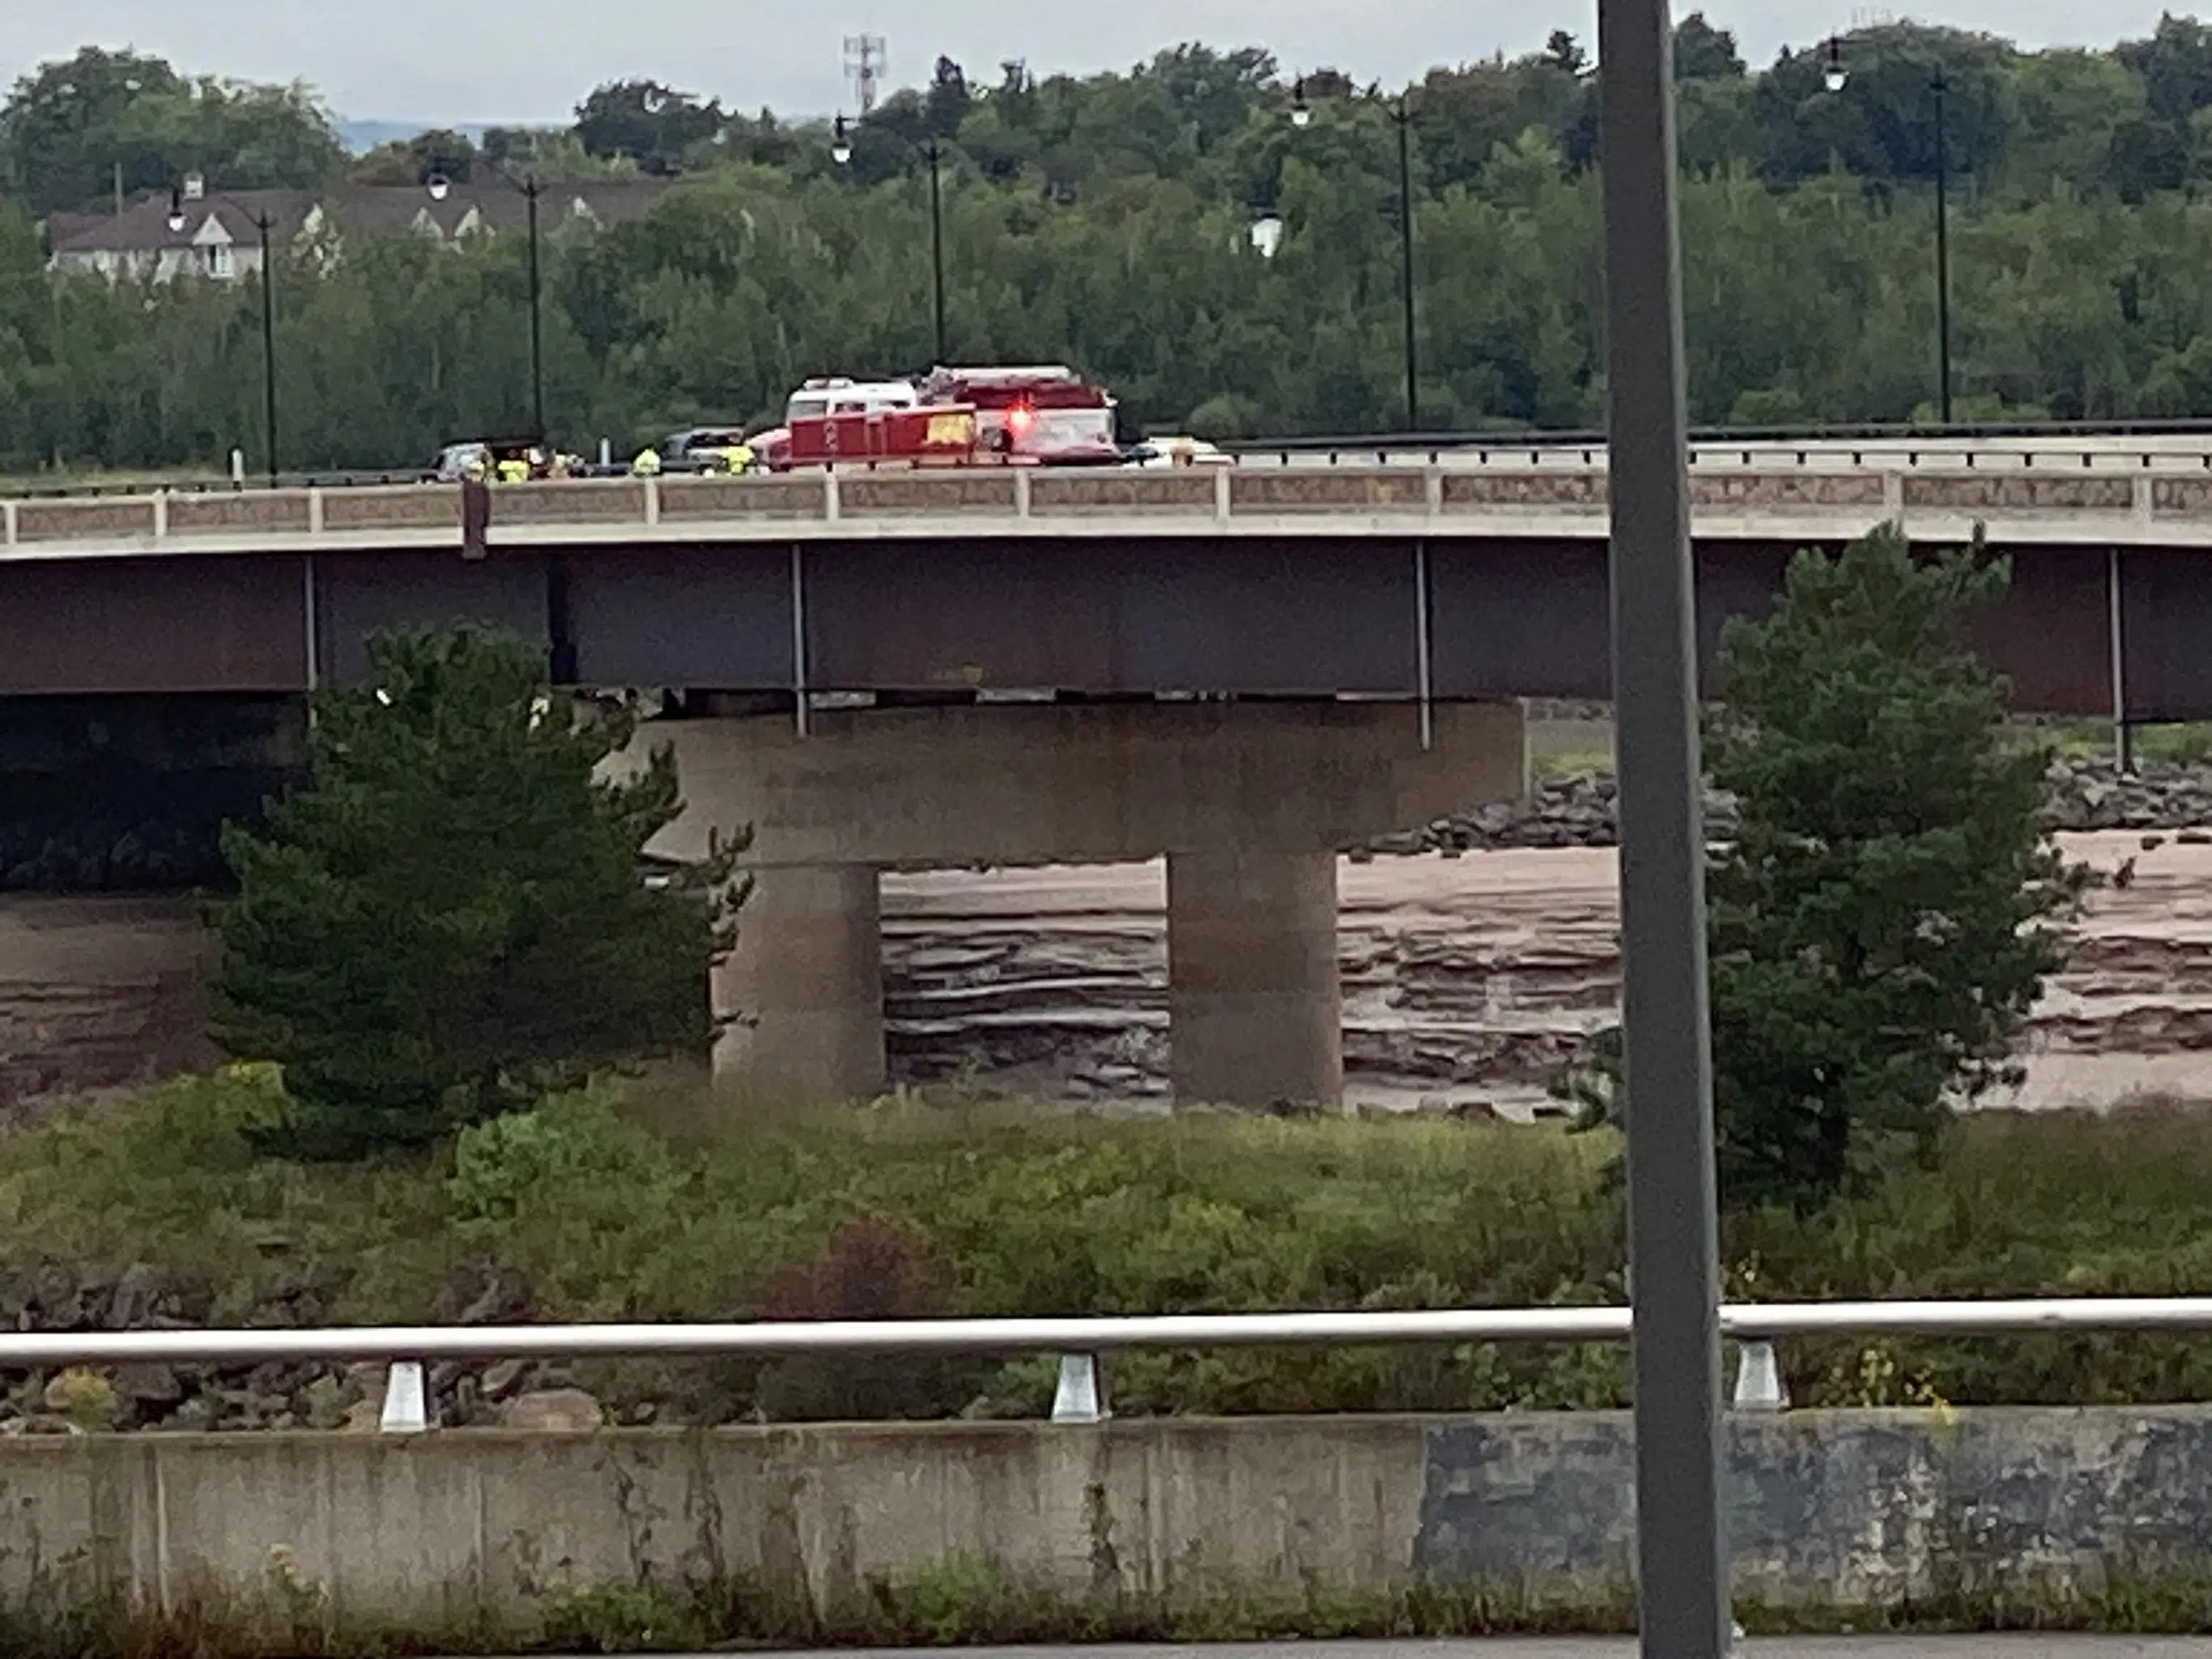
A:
646,464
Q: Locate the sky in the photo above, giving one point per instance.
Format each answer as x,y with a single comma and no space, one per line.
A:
442,62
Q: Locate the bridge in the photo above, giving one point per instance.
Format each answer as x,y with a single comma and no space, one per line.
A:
1242,669
1429,583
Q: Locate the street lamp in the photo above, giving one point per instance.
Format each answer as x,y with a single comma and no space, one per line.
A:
440,187
1401,114
841,152
263,224
1672,1252
1834,75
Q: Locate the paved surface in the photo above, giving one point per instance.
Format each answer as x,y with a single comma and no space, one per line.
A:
1828,1647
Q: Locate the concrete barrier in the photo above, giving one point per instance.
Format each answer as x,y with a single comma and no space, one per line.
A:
1829,1511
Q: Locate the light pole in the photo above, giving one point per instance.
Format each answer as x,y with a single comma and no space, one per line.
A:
440,187
1835,76
841,151
262,224
1672,1230
1401,115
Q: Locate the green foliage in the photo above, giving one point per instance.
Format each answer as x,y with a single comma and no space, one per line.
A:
1884,917
67,128
1103,220
1057,1216
450,919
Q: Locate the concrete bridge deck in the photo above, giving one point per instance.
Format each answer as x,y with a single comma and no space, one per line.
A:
1428,584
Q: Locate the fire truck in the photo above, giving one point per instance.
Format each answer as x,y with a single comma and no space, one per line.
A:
1041,417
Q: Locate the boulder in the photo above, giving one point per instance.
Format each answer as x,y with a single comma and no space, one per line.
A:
553,1411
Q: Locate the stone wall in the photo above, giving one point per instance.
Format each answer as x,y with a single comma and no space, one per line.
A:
1841,1510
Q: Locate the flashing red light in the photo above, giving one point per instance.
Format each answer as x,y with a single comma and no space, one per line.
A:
1020,418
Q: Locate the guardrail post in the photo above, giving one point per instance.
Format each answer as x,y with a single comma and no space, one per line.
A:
2142,497
833,505
406,1410
1757,1378
652,500
1222,499
160,515
1021,492
8,521
314,510
1892,496
1079,1396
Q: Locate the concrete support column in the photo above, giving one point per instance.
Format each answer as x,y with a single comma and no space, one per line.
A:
1254,1003
805,984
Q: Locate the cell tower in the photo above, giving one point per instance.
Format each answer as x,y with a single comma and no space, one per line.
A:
865,64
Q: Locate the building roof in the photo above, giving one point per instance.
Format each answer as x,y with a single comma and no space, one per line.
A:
232,215
143,227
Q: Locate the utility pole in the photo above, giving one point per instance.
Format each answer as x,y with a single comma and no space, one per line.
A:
1940,84
1673,1230
1402,114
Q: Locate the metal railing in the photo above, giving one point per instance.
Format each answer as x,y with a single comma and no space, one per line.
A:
1756,1326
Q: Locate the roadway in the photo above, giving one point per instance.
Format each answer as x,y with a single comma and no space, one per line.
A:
1832,1647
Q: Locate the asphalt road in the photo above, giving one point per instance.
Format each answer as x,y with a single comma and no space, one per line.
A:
1842,1647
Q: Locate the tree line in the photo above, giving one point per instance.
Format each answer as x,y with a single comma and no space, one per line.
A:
1108,220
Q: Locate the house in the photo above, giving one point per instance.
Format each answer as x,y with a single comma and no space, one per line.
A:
217,234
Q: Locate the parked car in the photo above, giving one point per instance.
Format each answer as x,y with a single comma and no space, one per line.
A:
481,456
699,448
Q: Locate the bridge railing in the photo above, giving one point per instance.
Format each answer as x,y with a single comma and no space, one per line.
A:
1756,1326
1440,500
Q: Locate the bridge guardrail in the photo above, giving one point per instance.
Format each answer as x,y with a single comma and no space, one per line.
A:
1756,1326
1444,500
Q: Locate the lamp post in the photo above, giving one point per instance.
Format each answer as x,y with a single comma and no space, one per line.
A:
263,224
841,152
440,187
1672,1253
1401,115
1835,76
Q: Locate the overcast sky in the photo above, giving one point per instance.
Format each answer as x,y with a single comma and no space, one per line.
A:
437,61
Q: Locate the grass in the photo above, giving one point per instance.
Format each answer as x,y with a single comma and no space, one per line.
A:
960,1602
912,1209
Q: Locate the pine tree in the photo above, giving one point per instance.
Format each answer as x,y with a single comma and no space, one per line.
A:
1891,904
451,917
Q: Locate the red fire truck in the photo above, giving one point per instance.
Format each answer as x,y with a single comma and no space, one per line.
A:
1047,413
1044,416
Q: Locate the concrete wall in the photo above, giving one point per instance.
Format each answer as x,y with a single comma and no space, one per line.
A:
1829,1509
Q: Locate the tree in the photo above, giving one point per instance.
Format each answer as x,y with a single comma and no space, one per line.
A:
450,919
59,129
1884,918
1888,908
653,125
1702,52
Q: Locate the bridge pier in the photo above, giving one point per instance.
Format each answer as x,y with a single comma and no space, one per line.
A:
802,993
1248,802
1254,1009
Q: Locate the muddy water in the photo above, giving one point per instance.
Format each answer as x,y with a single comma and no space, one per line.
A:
1468,980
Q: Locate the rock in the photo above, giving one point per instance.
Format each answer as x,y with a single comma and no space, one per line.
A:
149,1385
132,1298
502,1378
553,1411
363,1417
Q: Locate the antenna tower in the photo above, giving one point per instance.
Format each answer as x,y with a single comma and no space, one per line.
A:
865,64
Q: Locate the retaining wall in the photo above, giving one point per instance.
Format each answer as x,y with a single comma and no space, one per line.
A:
1829,1509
